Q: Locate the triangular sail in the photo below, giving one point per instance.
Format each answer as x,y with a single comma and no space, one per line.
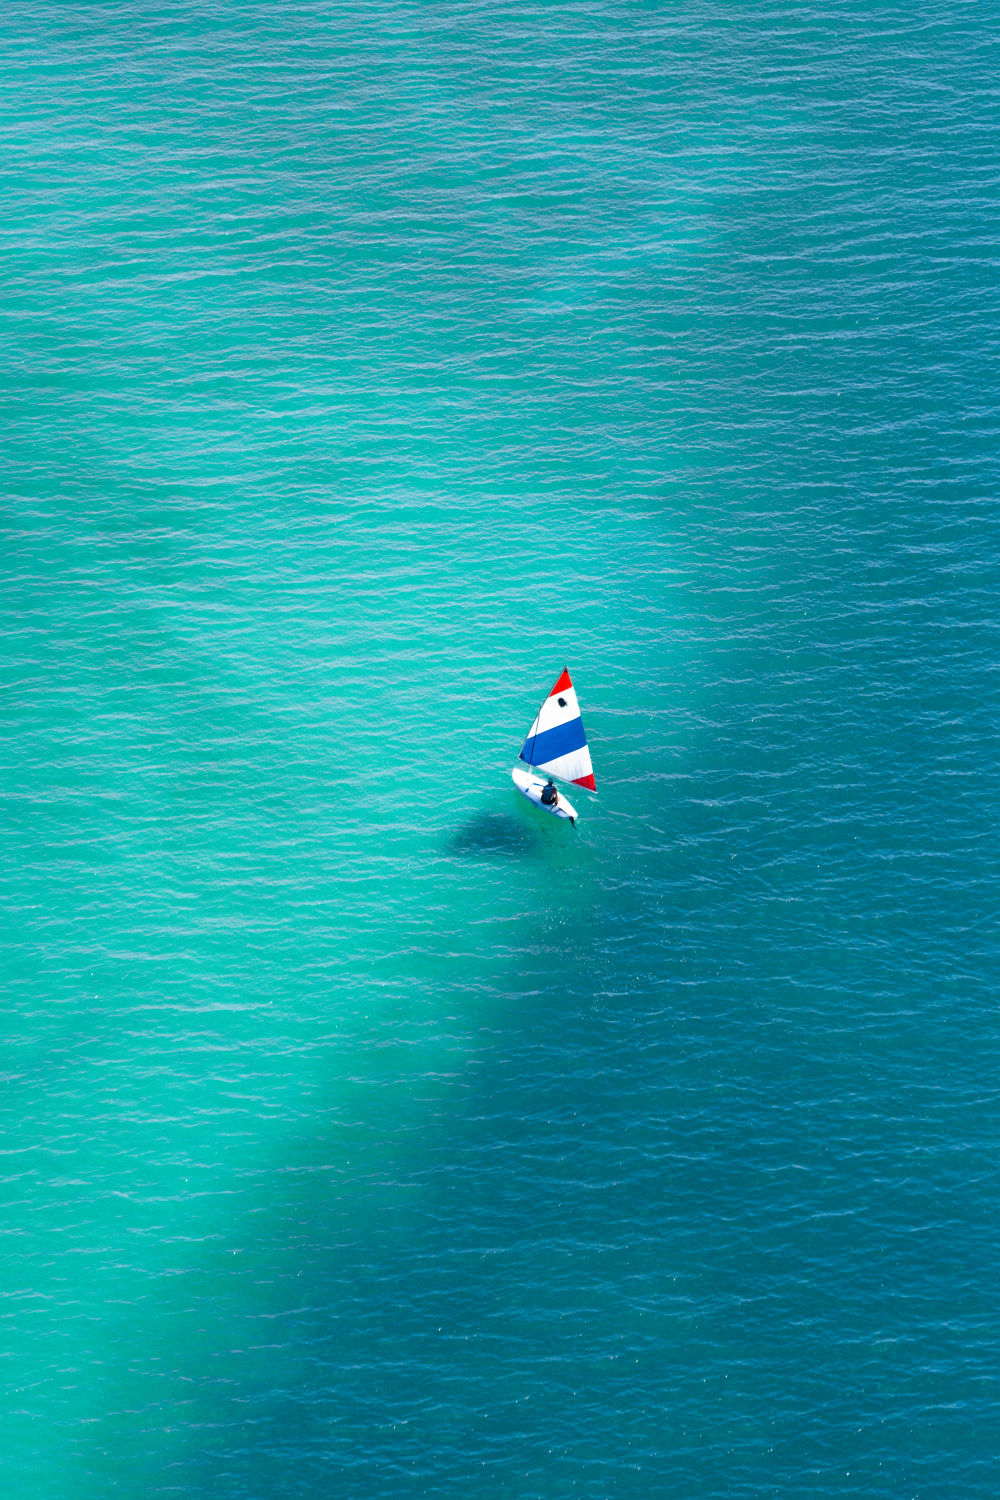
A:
556,742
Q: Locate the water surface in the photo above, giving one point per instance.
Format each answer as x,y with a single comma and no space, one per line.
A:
366,1135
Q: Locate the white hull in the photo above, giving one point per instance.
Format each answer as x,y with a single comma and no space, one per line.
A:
531,787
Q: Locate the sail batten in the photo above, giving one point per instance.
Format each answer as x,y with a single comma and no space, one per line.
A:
557,742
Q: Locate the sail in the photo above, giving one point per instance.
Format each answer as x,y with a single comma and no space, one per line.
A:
556,742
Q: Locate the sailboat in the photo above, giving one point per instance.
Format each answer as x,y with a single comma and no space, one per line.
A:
557,745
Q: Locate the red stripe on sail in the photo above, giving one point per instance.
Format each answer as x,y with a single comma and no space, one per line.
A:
587,781
563,683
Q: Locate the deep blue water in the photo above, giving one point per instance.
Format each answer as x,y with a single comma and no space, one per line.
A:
366,1133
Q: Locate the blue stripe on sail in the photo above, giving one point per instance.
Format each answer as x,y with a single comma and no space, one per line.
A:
551,743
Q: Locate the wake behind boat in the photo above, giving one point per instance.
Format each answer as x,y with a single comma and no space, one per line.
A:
556,745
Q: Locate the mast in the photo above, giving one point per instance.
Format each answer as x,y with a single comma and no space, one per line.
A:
531,764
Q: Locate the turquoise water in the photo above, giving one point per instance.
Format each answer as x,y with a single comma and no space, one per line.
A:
364,1134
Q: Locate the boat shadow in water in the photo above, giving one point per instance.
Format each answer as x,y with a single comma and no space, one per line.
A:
493,836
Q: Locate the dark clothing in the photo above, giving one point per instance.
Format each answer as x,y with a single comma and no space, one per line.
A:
549,795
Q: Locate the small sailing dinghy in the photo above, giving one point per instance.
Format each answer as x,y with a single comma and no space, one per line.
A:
557,745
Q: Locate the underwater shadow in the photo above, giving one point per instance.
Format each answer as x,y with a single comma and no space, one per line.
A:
493,836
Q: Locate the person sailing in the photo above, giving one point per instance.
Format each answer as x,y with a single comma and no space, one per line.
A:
549,794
